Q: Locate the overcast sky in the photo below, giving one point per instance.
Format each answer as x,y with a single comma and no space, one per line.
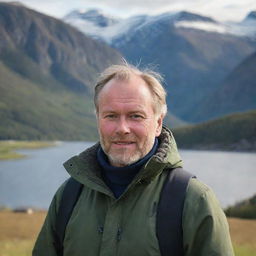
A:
234,10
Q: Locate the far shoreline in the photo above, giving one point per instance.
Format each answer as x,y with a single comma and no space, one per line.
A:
8,147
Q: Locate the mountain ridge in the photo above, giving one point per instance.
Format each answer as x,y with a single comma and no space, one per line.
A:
236,93
113,30
47,74
55,46
194,62
47,71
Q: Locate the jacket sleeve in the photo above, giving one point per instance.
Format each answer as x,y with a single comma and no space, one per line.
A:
44,245
205,227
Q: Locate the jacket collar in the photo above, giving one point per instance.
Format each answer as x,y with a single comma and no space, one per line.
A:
86,170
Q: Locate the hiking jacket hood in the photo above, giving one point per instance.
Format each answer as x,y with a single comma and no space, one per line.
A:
103,225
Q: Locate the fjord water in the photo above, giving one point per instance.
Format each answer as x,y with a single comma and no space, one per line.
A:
32,181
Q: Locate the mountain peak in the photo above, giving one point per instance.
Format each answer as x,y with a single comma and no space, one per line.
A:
189,16
251,16
95,16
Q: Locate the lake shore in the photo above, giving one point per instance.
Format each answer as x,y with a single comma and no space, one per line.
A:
18,232
242,146
8,147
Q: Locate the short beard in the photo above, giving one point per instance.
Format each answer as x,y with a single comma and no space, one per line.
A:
123,160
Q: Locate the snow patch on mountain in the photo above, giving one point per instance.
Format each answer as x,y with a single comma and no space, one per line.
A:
237,29
247,27
206,26
108,28
106,33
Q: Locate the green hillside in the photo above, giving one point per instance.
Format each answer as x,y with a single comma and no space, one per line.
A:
29,111
56,48
245,209
232,132
47,72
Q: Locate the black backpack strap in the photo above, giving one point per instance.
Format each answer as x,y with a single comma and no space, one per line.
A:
70,195
169,215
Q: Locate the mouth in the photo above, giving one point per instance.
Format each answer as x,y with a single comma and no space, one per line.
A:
123,142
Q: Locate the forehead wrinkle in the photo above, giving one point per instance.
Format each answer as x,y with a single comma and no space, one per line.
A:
134,81
129,108
126,96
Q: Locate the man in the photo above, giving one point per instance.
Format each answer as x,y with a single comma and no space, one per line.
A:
123,176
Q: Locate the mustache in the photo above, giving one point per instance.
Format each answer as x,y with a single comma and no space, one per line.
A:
123,138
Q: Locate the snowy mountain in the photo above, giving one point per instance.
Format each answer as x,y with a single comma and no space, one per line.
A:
109,29
246,28
93,16
101,26
194,53
249,24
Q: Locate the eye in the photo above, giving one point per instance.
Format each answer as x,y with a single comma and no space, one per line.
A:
110,116
136,116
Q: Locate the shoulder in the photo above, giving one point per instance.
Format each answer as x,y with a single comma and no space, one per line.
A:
197,189
200,197
205,227
201,204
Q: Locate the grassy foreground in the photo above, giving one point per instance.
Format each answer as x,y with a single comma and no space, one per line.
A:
18,232
8,147
243,234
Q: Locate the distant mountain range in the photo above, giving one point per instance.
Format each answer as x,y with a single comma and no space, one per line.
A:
196,55
47,74
109,28
48,68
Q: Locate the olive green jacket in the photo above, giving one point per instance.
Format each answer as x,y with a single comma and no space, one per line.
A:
103,225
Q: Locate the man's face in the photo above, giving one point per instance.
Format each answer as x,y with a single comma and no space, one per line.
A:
127,123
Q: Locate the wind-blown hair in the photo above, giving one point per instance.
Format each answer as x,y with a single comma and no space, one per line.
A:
123,72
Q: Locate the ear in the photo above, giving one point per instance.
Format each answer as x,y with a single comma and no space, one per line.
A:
159,125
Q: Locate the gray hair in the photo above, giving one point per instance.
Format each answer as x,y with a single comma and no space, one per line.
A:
123,72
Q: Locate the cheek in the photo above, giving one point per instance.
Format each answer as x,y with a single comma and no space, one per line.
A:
142,131
106,128
150,130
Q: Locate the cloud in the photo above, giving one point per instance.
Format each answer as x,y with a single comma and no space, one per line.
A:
218,9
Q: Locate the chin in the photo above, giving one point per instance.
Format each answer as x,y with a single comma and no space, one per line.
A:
120,162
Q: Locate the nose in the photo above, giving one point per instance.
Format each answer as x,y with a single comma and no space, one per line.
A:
123,126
